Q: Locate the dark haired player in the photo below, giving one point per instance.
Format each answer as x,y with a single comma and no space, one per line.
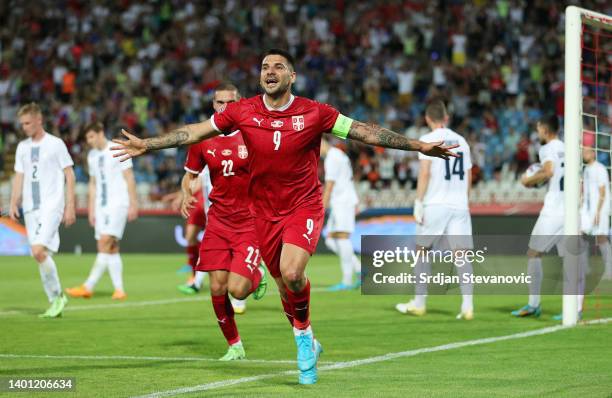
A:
283,134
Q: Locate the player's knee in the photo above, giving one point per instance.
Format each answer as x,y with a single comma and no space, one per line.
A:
532,253
217,288
239,291
39,253
293,278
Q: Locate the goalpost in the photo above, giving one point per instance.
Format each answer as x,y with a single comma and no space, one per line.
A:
588,111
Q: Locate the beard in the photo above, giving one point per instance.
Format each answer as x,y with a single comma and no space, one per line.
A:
280,89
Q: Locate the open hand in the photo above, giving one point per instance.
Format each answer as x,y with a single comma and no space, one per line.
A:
130,148
438,150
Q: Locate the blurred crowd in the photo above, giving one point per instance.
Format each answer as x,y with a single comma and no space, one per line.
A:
149,66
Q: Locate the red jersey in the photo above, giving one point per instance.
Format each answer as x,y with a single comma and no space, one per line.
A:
228,161
284,147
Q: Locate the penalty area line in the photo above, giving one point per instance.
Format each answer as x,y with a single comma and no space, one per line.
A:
371,360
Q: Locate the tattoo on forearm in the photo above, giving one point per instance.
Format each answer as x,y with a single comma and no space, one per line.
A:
373,134
172,139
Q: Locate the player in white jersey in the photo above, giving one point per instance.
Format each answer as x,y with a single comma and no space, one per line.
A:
340,197
42,164
112,202
441,209
548,229
595,211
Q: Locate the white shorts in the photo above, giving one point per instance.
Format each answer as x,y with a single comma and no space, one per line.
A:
111,221
586,223
341,219
42,227
547,232
443,222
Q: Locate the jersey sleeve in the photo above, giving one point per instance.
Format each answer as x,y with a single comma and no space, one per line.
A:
195,162
546,154
602,177
90,165
332,168
467,157
63,157
19,168
126,165
226,121
327,117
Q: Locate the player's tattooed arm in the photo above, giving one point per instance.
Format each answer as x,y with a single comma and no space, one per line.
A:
186,135
373,134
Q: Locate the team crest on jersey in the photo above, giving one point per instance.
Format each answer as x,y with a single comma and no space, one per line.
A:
277,124
298,122
242,152
226,152
221,108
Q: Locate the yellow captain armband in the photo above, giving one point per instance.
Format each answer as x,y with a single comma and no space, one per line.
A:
342,126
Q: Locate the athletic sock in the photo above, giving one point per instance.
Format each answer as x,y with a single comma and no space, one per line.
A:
534,270
331,244
606,256
225,318
115,269
300,304
345,251
96,271
193,253
356,264
420,289
288,310
255,278
50,278
467,288
199,279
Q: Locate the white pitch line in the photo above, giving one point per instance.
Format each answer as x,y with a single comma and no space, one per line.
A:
139,303
142,358
367,361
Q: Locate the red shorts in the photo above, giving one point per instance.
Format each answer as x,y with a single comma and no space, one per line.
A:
197,216
301,228
236,252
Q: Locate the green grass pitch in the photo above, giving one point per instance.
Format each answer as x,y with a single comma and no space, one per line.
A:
159,340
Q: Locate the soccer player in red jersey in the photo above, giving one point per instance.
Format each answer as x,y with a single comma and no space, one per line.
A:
283,133
229,251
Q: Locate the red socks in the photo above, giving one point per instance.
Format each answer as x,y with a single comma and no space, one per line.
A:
300,303
288,311
225,317
255,279
193,253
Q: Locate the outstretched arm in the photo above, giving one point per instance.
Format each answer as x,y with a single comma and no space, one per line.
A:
373,134
185,135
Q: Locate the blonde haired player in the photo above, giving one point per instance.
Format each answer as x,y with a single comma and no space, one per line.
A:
112,202
441,208
43,168
548,229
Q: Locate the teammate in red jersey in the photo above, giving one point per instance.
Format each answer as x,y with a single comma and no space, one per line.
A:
229,251
283,135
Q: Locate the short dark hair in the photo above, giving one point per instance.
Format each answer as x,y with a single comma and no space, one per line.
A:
283,53
436,111
95,126
551,122
227,86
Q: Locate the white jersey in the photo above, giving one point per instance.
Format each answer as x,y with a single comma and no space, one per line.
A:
554,152
338,169
448,178
111,187
595,176
42,164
